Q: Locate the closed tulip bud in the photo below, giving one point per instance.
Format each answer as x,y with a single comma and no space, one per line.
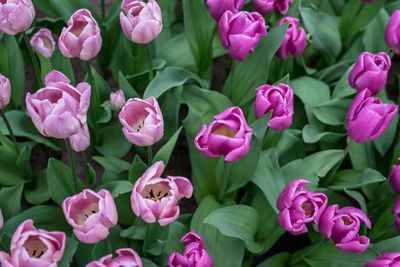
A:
117,99
370,71
81,140
279,100
16,16
342,226
218,7
82,37
155,199
240,32
228,135
141,21
368,117
126,257
298,206
33,247
5,91
396,212
59,110
142,120
295,41
392,32
1,220
266,6
195,253
91,215
43,42
395,177
391,259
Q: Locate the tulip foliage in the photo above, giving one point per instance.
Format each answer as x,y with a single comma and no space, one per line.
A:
199,133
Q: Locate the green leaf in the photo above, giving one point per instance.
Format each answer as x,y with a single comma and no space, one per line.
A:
138,167
71,246
165,152
375,33
67,8
91,174
111,137
10,173
113,164
312,134
173,50
362,155
332,112
359,198
311,91
277,260
10,200
40,192
388,245
45,64
350,179
126,87
46,7
343,88
117,188
62,64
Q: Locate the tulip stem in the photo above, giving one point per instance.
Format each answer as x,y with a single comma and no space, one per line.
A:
320,4
72,163
34,61
348,148
225,181
10,131
149,60
392,54
107,246
149,155
233,74
103,10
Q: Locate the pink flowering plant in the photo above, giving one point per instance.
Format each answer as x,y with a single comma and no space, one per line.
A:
199,133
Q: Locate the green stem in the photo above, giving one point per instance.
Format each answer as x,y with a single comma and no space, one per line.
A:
9,129
107,246
103,10
72,163
94,100
149,60
85,161
348,147
320,4
34,61
149,155
233,63
392,54
225,181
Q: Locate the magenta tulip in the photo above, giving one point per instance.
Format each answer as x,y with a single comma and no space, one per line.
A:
295,41
155,199
126,257
279,100
5,91
33,247
395,177
396,212
385,260
16,16
368,117
298,206
370,71
266,6
240,32
195,254
117,99
82,37
59,110
91,215
81,140
141,21
142,120
342,226
43,42
392,32
218,7
228,135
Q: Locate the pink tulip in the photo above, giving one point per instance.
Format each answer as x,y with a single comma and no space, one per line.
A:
16,15
240,32
370,71
141,21
117,99
218,7
59,110
126,257
5,91
392,32
385,260
298,206
43,42
82,38
395,177
195,254
342,226
266,6
33,247
1,220
81,140
279,100
155,198
142,120
91,215
368,118
295,41
396,212
228,135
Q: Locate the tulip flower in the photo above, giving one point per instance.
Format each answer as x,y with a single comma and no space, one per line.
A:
228,135
392,32
81,140
396,212
218,7
368,117
5,91
385,260
370,71
82,37
279,99
195,253
59,110
395,177
142,120
298,206
126,257
295,41
43,42
342,226
155,198
240,32
91,215
33,247
141,21
1,220
266,6
117,99
16,16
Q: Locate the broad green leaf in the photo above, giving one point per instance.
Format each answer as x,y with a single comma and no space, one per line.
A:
332,112
173,50
45,64
311,91
313,134
71,246
388,245
111,137
113,164
10,173
170,101
62,64
277,260
46,7
126,87
359,198
10,200
138,167
67,8
375,33
350,179
165,152
40,192
362,155
343,88
117,188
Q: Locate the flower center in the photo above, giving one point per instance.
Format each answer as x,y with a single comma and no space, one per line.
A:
156,191
78,28
226,131
91,209
46,43
308,208
139,125
35,247
347,221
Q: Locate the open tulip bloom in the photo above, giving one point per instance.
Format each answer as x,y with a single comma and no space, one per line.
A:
126,257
